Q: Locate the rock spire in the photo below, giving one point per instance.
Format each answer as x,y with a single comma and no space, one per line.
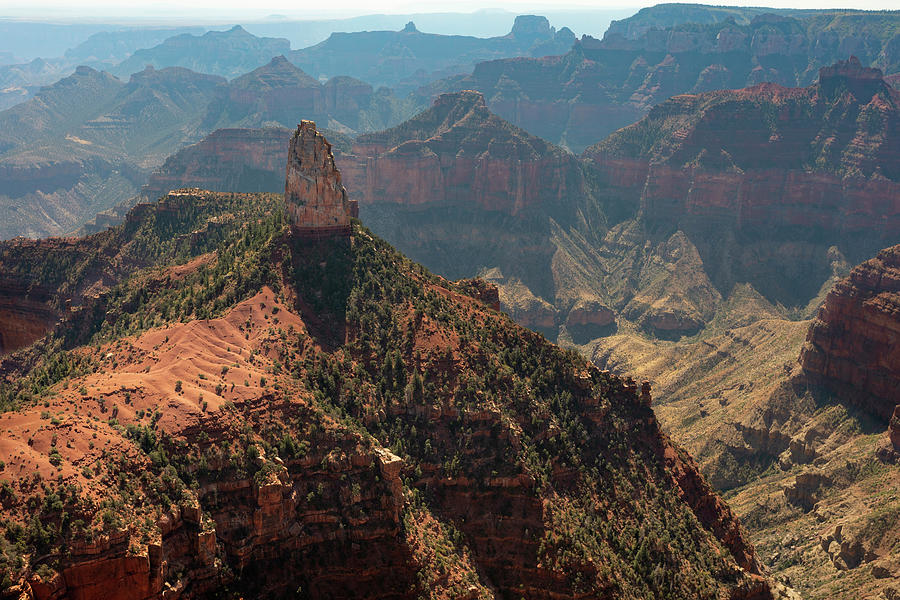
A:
317,202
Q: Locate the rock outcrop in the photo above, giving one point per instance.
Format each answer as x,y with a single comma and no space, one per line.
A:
25,313
853,343
316,200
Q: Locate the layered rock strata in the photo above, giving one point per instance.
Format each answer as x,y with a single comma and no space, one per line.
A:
459,154
765,180
602,85
854,343
25,314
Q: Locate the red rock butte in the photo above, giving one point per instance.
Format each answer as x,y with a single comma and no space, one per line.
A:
317,202
852,344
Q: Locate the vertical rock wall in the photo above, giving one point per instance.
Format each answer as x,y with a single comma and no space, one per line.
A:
316,200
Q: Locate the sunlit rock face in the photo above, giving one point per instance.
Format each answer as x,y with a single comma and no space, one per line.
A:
316,200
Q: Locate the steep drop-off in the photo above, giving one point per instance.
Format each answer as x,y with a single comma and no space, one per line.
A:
770,184
854,342
227,160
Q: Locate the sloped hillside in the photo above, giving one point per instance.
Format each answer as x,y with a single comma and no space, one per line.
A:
329,417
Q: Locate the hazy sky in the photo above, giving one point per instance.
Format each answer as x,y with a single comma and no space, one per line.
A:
226,10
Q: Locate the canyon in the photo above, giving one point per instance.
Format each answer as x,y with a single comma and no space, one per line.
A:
656,234
577,99
804,186
310,408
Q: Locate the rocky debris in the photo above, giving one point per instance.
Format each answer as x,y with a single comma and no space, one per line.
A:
851,346
804,489
845,552
881,572
316,200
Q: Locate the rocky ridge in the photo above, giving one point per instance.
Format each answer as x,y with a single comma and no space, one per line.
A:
300,403
224,53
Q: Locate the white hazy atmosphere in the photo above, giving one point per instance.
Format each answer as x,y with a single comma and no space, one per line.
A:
229,10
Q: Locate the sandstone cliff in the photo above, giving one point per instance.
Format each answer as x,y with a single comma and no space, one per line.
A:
766,180
852,344
460,154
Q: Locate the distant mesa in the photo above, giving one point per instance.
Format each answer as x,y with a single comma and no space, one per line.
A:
531,26
863,82
316,200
